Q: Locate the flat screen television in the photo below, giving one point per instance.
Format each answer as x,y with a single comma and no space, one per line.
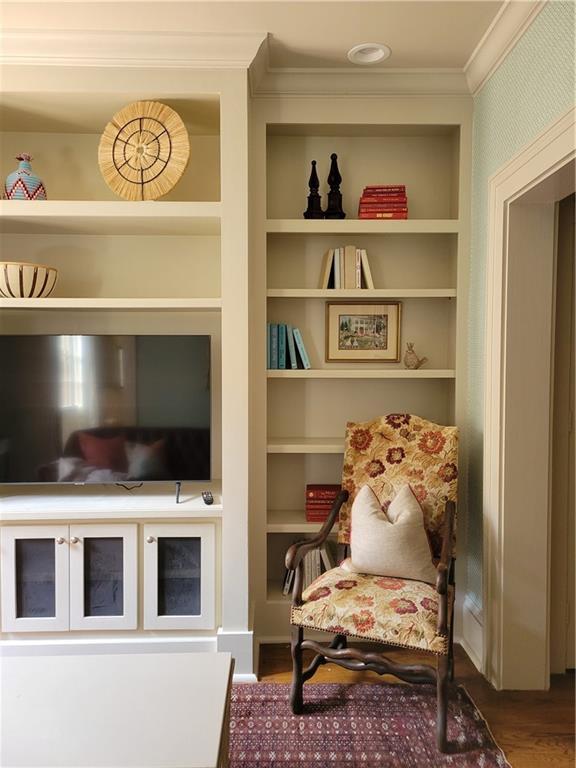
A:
104,409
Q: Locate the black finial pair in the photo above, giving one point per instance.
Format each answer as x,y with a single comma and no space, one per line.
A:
334,210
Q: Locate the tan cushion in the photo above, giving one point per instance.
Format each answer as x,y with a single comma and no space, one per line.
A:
392,542
377,608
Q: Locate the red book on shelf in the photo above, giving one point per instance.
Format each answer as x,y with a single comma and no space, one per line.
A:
320,508
322,491
382,192
383,207
383,215
316,518
385,188
383,200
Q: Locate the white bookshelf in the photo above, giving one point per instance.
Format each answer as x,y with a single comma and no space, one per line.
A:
418,261
178,265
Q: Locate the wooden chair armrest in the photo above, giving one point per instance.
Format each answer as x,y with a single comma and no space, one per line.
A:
295,555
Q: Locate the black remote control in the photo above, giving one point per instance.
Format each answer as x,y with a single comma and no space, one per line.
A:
207,497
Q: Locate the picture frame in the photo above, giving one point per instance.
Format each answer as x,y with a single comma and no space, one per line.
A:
363,331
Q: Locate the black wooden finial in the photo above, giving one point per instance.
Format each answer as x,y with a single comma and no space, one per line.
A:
314,210
334,210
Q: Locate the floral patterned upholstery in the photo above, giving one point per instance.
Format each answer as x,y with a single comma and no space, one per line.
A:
396,449
394,611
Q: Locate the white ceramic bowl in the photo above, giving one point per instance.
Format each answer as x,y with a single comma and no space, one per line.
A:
26,281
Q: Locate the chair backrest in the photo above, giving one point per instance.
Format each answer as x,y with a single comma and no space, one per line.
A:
393,450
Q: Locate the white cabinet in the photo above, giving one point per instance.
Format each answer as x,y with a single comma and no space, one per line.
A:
179,576
61,577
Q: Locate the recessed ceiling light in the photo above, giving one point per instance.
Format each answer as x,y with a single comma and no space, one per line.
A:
369,53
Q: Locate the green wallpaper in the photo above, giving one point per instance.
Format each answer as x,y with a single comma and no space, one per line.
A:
533,86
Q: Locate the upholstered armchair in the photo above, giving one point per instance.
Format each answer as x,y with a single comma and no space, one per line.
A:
386,454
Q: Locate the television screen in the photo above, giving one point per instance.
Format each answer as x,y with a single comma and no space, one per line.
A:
104,409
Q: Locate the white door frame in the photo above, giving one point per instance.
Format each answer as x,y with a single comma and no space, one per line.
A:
503,579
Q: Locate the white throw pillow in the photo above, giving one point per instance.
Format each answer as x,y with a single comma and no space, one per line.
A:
392,543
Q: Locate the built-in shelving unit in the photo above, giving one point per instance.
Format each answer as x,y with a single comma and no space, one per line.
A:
178,265
417,262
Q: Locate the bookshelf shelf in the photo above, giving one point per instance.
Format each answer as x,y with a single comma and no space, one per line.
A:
134,304
363,373
362,226
361,293
319,445
274,593
290,521
122,217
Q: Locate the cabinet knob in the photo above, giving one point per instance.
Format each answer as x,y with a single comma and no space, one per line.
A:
74,540
60,540
150,539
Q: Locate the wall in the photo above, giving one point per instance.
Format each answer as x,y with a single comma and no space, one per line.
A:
531,89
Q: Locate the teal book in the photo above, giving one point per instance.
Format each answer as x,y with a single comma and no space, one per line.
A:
291,347
274,345
282,345
268,350
301,348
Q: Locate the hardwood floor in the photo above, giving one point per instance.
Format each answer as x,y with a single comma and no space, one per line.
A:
534,728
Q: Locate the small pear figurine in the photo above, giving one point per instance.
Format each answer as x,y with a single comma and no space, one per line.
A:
411,359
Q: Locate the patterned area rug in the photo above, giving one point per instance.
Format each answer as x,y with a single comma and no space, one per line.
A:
368,725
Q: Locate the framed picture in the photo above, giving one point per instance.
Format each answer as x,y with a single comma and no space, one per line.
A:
363,331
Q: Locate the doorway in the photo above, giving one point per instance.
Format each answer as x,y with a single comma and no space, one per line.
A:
563,466
520,353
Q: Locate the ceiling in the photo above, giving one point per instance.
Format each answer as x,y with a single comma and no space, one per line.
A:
317,33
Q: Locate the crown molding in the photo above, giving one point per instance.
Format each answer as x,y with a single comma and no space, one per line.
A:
129,49
272,83
506,29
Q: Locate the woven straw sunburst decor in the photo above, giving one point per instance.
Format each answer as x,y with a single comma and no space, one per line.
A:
144,151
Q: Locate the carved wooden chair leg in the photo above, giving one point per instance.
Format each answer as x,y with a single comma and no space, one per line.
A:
296,696
451,652
442,703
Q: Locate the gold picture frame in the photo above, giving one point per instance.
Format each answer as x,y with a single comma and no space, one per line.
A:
363,331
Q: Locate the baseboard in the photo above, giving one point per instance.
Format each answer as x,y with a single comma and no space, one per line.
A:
88,646
472,632
241,645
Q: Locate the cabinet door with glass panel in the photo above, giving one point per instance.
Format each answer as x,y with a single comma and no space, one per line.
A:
60,577
103,577
179,576
35,565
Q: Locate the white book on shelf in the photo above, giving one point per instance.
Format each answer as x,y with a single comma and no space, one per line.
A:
327,560
327,268
337,265
349,267
317,564
366,269
358,269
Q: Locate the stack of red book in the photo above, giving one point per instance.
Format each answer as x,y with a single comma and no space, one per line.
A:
383,202
319,500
